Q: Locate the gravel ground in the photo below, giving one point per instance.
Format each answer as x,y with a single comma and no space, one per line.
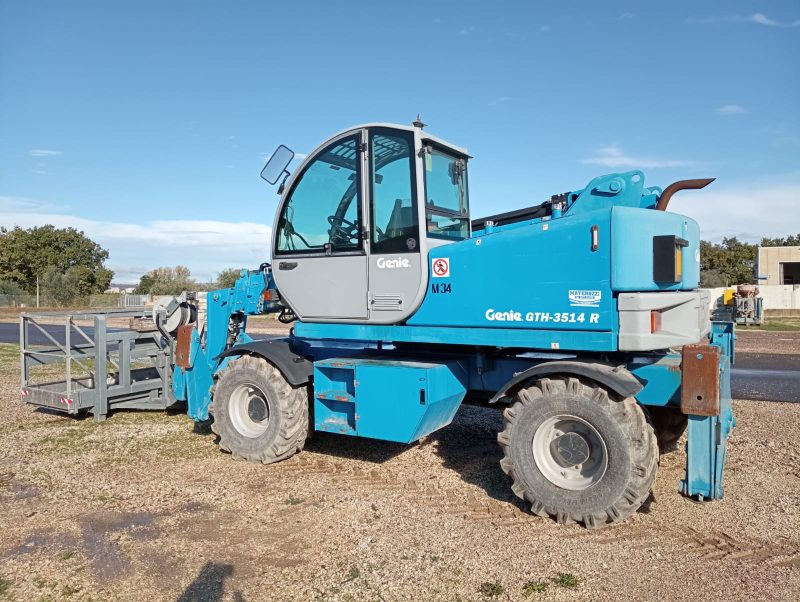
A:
144,506
762,341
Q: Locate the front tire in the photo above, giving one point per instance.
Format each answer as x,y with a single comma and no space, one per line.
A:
577,455
258,415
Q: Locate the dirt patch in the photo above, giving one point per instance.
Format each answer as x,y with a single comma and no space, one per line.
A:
761,341
145,506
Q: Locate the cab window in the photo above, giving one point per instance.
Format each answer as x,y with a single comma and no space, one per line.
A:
446,198
321,213
393,206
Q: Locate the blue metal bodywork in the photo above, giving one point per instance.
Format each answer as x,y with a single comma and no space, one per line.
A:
522,284
514,295
706,445
227,310
388,399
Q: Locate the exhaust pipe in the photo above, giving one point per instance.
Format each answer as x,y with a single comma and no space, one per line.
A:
665,197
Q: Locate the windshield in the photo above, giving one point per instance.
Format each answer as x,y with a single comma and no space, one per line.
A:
446,197
323,206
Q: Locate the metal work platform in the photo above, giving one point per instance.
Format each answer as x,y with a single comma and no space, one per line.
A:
94,361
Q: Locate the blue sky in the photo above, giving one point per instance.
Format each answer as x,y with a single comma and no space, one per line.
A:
146,123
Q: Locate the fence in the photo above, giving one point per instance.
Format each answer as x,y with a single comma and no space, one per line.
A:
103,301
25,301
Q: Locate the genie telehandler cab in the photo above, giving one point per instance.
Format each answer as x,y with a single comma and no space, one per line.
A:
581,318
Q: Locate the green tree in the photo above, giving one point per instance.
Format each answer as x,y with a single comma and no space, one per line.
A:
28,253
62,288
9,287
228,277
166,281
728,263
145,284
789,241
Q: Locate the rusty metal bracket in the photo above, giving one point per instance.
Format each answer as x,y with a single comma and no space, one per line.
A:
183,347
700,381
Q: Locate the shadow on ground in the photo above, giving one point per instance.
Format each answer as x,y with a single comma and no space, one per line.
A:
209,585
468,446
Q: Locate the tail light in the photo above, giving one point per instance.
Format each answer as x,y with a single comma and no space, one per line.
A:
655,321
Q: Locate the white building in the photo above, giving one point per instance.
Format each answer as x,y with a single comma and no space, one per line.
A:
778,265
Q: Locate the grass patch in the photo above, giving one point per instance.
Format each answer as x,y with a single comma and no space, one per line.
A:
9,351
352,574
184,444
66,555
5,585
9,359
71,439
773,325
42,583
491,589
536,586
293,501
566,580
68,590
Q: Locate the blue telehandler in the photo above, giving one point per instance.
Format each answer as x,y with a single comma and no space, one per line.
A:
580,318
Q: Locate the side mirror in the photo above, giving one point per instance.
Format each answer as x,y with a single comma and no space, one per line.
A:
277,164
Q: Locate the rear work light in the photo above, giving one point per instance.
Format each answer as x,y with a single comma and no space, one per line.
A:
668,258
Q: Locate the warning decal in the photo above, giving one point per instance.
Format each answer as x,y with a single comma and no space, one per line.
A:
441,267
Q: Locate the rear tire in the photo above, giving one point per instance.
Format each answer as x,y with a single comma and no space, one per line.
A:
577,455
258,415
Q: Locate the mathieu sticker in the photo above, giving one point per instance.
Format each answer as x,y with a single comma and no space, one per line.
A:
441,267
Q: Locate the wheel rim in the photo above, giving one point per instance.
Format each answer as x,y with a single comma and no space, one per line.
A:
569,452
249,410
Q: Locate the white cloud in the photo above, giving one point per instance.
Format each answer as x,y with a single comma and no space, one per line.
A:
625,16
728,110
613,156
19,204
712,20
545,28
465,31
43,152
758,18
500,100
206,246
762,19
748,213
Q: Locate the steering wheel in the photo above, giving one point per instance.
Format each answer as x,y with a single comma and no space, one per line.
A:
349,234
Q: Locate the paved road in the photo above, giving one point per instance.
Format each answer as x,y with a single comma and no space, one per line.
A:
755,376
766,377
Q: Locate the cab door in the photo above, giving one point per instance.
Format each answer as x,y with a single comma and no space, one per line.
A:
319,255
395,254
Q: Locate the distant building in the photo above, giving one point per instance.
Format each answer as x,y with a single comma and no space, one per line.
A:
778,265
121,288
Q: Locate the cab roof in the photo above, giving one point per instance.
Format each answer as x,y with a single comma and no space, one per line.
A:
408,128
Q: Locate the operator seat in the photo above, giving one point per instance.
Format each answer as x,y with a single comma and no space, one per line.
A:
401,222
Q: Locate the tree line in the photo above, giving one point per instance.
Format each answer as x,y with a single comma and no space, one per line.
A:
733,261
175,280
69,266
64,263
